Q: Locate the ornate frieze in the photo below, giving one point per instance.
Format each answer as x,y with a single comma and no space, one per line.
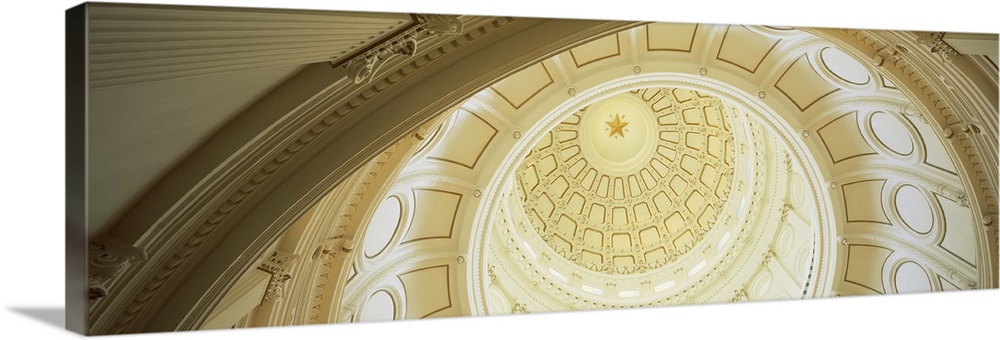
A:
363,68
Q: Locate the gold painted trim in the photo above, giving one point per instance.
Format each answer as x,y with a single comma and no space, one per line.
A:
754,71
895,194
943,280
944,234
447,274
827,67
847,266
481,152
939,168
801,108
913,144
827,146
847,211
518,106
618,52
630,243
690,45
454,217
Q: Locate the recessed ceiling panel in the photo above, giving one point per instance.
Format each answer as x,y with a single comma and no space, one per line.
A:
803,85
935,154
959,238
433,214
597,50
670,37
843,139
744,48
864,202
465,144
428,291
864,266
521,87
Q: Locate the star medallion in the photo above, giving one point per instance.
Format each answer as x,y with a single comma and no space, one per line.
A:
617,126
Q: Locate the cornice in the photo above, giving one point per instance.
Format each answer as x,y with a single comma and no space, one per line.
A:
238,178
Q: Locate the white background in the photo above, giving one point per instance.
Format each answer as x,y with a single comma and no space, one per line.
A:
32,187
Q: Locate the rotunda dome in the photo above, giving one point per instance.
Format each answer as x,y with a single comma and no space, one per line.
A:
631,182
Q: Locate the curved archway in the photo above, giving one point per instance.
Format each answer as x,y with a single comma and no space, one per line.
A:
336,133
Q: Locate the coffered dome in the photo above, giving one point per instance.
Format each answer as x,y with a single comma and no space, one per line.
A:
631,182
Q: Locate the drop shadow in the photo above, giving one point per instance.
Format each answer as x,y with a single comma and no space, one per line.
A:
53,316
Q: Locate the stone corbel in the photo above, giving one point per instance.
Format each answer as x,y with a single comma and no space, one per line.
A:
280,267
107,262
953,194
909,110
890,53
990,223
935,41
960,128
439,24
362,69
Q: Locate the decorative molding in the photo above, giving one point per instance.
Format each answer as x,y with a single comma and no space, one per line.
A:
783,212
519,308
280,267
362,68
953,194
337,249
739,295
967,145
107,262
440,24
935,41
929,260
329,110
767,257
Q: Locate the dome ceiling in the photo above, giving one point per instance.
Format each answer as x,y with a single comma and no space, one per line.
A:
664,164
632,182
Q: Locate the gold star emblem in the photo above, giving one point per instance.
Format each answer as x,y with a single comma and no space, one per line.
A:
617,126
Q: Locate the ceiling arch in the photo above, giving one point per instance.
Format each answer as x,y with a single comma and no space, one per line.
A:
795,159
542,230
